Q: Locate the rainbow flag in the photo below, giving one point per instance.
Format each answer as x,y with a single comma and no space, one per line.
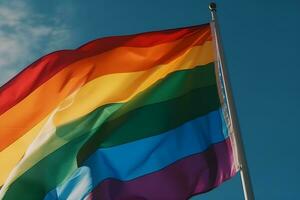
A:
125,117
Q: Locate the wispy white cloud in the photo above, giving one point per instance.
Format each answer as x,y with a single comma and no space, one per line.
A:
26,35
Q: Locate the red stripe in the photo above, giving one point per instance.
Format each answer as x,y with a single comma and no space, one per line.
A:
46,67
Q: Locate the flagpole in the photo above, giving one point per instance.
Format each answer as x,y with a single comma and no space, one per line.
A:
243,166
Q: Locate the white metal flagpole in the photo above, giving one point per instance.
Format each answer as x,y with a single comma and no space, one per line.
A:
244,171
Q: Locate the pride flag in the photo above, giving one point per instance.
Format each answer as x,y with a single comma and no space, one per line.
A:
125,117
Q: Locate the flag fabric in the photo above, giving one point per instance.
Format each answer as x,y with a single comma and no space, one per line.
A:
125,117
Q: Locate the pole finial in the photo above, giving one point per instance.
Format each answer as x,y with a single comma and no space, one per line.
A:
212,6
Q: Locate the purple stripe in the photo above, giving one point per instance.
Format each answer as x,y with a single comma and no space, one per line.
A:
195,174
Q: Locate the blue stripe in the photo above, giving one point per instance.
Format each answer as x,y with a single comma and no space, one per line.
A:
131,160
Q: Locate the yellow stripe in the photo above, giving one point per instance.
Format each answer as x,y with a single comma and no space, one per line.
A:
107,89
10,156
72,77
123,86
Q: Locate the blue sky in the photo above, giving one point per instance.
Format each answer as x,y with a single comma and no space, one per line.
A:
261,42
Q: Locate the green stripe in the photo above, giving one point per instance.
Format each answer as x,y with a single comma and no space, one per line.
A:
35,183
54,168
174,85
152,120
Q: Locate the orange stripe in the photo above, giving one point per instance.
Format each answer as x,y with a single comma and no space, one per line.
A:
34,75
23,116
